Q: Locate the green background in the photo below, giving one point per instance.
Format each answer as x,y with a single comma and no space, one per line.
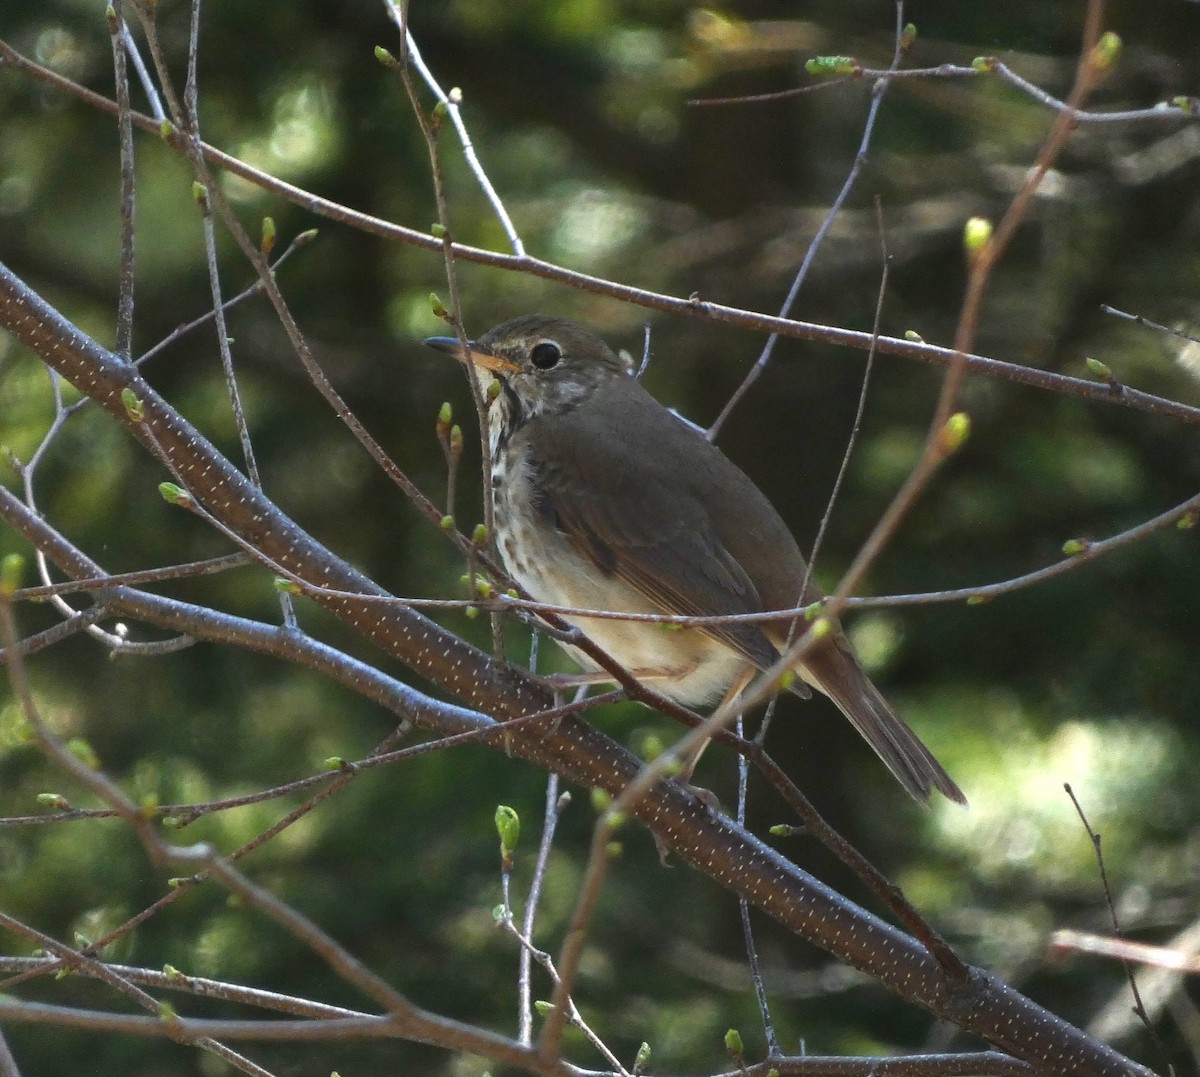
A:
582,113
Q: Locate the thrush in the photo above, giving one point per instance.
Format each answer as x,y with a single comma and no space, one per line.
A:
606,500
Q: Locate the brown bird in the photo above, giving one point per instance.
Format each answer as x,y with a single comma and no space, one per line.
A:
605,500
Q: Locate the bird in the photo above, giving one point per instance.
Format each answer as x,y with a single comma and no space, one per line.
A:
604,499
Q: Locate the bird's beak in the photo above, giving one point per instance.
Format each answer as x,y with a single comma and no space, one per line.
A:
451,346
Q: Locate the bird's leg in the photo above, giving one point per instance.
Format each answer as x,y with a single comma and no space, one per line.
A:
559,700
689,761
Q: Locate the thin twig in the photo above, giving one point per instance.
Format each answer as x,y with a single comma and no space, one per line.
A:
452,102
554,808
124,341
1139,1007
429,130
1178,108
860,160
756,977
1138,319
209,567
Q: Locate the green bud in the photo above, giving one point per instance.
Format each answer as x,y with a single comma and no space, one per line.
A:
385,57
12,571
955,432
508,826
177,881
479,535
985,64
445,415
821,628
642,1059
438,114
1186,522
1186,104
171,822
133,405
199,194
172,973
1100,370
786,679
447,523
832,65
813,610
334,762
438,230
908,37
267,244
306,237
614,849
652,747
543,1007
977,233
472,612
1107,51
779,830
175,495
772,1072
439,309
288,587
976,600
456,439
493,391
54,801
166,1012
672,768
733,1044
499,914
110,17
914,336
1075,546
84,752
601,799
166,131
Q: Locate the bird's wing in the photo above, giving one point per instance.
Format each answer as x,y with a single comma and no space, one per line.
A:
621,506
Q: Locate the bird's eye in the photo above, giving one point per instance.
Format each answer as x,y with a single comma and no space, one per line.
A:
545,355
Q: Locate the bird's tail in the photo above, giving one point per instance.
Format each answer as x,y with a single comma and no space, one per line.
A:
834,670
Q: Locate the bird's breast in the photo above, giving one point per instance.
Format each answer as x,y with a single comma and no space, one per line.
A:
685,665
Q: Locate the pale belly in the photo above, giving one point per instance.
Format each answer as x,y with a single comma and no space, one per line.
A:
685,665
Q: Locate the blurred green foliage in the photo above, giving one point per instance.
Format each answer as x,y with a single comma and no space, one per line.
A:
584,114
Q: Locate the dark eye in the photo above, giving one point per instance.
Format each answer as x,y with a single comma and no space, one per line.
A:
545,355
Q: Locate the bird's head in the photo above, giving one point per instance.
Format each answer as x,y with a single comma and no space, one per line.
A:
547,364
